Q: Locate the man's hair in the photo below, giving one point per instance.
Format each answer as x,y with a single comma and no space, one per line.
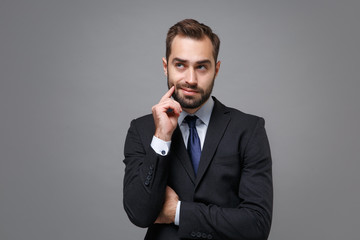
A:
192,29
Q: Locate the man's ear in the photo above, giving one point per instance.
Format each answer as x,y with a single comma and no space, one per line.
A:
165,66
217,68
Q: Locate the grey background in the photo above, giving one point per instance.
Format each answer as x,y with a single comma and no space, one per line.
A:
74,73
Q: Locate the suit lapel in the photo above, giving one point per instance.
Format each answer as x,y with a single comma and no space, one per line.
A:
179,150
218,123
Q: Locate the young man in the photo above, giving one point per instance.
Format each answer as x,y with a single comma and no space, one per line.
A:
196,169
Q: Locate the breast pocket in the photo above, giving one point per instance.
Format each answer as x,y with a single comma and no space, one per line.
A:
226,168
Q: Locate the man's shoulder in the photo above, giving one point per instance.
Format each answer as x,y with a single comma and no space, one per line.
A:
247,117
143,126
144,121
236,113
145,118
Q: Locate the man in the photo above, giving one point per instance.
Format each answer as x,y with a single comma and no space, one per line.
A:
202,177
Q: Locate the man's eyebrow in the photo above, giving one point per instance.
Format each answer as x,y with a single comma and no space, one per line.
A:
179,60
206,61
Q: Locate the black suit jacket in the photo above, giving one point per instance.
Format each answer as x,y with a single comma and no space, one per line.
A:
231,196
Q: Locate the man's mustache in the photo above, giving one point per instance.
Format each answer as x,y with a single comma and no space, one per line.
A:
192,87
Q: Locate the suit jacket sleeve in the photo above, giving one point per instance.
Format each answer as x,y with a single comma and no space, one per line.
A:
145,175
251,218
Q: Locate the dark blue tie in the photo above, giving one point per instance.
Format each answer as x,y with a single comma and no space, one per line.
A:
193,146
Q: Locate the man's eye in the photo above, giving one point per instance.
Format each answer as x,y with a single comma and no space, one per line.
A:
179,65
201,67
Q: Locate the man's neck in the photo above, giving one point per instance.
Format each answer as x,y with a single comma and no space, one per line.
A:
191,110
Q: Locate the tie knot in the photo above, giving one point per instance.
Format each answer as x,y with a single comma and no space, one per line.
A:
191,121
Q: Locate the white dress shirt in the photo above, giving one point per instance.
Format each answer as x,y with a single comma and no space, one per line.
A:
162,147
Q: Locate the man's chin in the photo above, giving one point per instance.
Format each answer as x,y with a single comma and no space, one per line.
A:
189,103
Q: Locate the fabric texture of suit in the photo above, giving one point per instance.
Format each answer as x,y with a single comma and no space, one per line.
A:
231,196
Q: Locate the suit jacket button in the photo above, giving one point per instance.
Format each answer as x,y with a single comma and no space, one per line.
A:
198,234
204,235
148,177
147,182
193,234
209,236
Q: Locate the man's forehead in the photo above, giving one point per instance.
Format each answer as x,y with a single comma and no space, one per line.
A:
189,49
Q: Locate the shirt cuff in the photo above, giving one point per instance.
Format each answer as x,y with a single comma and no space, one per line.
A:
177,214
160,146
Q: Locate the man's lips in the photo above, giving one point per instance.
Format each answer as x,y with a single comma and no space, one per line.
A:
189,91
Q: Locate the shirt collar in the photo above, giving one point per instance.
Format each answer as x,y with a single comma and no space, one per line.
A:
204,113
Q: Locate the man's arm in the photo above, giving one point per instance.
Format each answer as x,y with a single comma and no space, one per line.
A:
146,171
145,178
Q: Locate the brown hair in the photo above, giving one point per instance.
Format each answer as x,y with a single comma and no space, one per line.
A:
192,29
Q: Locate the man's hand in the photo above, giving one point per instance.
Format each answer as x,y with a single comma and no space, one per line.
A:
167,214
165,114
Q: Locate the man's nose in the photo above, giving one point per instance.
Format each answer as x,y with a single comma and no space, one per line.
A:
191,78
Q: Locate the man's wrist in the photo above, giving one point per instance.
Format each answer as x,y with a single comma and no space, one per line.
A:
163,136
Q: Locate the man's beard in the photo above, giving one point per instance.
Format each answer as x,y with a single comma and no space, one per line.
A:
191,102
